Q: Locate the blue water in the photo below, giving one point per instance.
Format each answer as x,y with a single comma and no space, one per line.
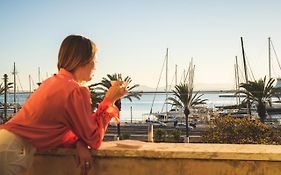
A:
143,106
137,108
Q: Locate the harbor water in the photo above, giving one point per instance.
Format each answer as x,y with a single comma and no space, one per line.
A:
138,108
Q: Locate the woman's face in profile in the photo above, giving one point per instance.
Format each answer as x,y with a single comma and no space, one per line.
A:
85,72
88,70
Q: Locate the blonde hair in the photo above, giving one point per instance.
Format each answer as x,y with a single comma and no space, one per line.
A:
75,50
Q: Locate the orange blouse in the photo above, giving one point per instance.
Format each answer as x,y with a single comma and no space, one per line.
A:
59,112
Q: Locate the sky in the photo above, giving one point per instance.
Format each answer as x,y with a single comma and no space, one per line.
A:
132,37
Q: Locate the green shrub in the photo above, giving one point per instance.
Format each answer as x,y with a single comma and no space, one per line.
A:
240,131
125,136
159,135
175,136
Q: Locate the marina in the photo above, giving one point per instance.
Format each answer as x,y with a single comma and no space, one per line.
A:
138,110
142,106
140,87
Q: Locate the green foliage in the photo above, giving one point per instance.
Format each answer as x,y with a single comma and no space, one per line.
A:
3,88
161,135
240,131
99,90
96,96
105,84
260,92
4,120
184,97
125,136
174,136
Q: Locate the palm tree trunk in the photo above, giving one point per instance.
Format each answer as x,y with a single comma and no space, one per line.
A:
186,113
118,105
261,111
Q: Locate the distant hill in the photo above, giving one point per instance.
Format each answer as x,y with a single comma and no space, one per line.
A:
145,88
197,87
213,87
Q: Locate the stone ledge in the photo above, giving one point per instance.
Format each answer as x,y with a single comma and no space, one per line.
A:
141,158
181,150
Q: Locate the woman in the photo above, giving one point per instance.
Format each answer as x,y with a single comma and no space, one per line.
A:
59,112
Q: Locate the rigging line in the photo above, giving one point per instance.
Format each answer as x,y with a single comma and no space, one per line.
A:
273,71
169,89
33,84
191,76
170,86
248,63
275,55
186,75
241,73
158,84
188,71
18,78
182,77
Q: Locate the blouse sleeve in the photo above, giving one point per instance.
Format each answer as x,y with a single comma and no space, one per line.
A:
87,126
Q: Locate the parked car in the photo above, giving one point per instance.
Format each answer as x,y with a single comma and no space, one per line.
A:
155,123
182,125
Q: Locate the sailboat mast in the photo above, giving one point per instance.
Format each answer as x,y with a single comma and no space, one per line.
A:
269,64
166,82
29,78
15,86
39,75
246,74
176,75
237,80
39,80
269,59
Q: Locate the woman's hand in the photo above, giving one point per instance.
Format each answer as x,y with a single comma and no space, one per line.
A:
83,158
116,91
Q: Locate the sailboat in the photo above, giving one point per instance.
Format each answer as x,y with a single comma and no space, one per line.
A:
277,86
159,116
175,115
275,105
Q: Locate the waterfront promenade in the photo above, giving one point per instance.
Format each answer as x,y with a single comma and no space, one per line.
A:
140,132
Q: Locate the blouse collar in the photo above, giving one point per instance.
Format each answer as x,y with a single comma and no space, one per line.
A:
69,75
65,73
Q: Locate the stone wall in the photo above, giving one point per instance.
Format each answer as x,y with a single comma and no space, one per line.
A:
141,158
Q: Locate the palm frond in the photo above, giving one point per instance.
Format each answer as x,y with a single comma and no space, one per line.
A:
174,102
131,95
105,84
3,88
259,90
133,87
184,97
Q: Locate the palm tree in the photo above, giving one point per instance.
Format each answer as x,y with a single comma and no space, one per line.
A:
105,84
3,89
96,96
260,92
184,98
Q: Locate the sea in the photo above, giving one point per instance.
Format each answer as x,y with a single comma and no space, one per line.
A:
137,110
